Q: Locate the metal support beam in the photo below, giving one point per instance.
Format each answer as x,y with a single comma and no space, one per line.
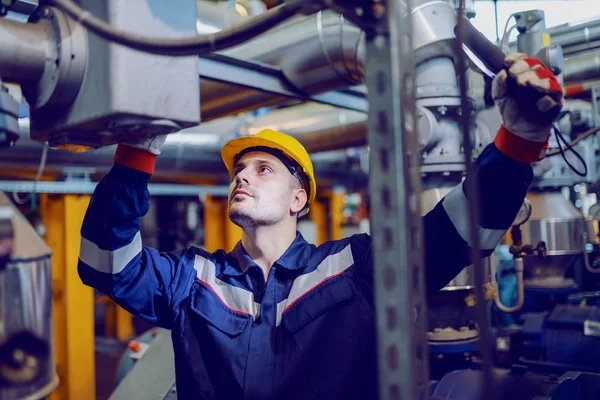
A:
219,231
394,185
268,79
73,302
87,187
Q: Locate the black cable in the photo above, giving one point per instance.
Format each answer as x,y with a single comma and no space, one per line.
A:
578,139
559,138
195,45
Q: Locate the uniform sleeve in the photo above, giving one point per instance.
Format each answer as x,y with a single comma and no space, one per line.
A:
112,257
503,183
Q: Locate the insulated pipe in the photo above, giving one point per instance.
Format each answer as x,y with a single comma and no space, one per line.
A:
574,38
520,290
192,152
23,49
581,68
328,54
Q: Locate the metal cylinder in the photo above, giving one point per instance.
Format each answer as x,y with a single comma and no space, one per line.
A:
192,153
23,49
26,350
582,68
329,52
575,38
436,78
555,221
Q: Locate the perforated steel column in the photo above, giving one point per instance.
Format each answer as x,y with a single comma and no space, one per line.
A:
394,180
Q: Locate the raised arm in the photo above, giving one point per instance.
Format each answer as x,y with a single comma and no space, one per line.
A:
112,257
503,173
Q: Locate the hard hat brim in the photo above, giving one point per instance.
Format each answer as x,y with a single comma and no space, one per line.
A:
235,146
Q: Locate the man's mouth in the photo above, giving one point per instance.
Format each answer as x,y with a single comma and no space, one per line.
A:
240,192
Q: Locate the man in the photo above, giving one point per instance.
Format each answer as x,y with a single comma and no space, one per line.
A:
278,318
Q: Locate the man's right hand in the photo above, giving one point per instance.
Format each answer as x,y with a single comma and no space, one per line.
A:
153,145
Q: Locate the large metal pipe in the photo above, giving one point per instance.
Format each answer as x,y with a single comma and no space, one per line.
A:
328,54
581,68
576,38
23,49
194,152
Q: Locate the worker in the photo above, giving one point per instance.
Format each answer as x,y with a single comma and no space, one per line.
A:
277,317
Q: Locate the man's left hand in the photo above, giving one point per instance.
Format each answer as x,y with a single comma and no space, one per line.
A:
527,72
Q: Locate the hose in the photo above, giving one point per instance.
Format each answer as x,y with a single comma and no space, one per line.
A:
196,45
520,290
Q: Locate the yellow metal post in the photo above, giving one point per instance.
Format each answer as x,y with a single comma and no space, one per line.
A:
73,302
336,213
220,232
214,230
233,233
318,216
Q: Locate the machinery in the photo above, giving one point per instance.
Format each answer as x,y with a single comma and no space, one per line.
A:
26,350
124,70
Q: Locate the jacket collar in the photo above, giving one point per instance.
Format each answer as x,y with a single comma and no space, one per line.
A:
295,257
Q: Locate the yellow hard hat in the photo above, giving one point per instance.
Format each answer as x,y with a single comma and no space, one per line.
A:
271,139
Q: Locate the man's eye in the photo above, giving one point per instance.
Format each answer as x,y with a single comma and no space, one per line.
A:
263,170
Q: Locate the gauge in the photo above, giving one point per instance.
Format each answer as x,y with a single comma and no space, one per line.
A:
594,211
524,213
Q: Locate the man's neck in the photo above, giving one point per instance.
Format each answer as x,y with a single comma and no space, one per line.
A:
266,244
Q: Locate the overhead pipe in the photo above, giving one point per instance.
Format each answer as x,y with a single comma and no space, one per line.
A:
329,54
573,39
576,38
581,68
191,152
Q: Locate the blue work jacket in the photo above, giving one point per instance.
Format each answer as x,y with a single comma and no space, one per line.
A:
308,332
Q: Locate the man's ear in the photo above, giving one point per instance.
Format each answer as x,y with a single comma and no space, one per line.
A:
299,200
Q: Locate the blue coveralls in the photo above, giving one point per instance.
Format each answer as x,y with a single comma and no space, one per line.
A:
309,331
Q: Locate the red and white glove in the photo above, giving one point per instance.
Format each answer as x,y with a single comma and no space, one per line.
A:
525,132
140,155
153,145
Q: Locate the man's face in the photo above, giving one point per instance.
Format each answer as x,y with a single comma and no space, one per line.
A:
262,191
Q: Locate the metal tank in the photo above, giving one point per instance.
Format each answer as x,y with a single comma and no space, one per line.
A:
555,221
27,369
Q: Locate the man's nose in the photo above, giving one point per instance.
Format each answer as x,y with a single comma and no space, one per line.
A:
242,177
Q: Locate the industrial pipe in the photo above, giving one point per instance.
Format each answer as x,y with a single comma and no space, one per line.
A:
582,68
192,153
586,257
578,89
575,38
23,49
328,55
519,267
